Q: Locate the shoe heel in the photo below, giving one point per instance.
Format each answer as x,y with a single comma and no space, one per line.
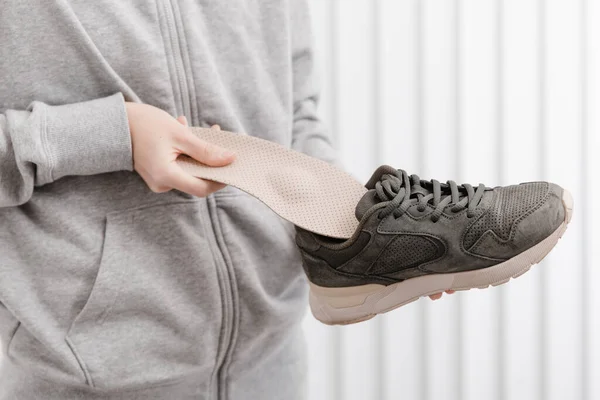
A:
345,305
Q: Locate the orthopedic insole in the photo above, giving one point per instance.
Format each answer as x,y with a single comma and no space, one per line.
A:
306,191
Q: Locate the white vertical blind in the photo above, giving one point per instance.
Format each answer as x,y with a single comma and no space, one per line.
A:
403,368
494,91
521,133
479,163
591,144
563,164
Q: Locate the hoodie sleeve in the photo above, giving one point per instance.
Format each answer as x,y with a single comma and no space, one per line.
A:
44,143
309,134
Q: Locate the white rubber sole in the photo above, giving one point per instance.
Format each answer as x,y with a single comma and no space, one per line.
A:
341,306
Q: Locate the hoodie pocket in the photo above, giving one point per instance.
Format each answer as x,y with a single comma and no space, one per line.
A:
153,316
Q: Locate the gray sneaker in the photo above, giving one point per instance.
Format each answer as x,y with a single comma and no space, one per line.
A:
416,238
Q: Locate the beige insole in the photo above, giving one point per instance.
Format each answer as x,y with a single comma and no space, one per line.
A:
306,191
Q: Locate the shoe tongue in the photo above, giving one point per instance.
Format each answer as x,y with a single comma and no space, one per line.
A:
365,203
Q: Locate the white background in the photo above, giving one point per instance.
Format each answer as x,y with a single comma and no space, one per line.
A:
493,91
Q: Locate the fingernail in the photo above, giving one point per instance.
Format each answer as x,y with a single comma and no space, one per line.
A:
227,154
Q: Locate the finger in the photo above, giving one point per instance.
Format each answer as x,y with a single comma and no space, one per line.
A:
182,120
158,188
436,296
155,186
450,291
204,152
216,127
187,183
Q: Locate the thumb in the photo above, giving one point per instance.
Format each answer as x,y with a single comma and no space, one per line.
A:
207,153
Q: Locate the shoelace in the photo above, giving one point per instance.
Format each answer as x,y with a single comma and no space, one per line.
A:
399,189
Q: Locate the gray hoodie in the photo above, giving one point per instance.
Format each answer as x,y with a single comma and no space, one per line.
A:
111,291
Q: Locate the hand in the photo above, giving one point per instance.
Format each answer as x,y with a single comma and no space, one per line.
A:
438,296
158,139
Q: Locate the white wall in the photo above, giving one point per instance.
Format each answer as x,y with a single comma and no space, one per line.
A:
493,91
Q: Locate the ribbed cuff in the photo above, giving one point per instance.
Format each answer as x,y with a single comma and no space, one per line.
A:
86,138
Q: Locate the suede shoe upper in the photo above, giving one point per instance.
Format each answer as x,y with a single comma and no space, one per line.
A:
410,227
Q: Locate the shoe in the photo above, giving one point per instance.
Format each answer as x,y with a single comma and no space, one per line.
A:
417,238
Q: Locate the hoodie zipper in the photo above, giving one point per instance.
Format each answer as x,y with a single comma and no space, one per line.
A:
184,93
183,87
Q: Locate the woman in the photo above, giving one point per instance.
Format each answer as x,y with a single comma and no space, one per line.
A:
112,285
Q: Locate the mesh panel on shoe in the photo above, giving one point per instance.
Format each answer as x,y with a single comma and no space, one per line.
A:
510,203
405,251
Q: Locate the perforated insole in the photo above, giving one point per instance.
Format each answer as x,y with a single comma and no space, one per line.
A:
306,191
